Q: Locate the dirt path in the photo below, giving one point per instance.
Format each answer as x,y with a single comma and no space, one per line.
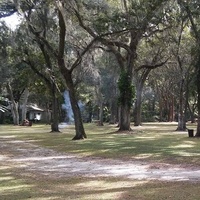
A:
32,158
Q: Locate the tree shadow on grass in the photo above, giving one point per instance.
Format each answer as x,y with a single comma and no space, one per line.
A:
34,186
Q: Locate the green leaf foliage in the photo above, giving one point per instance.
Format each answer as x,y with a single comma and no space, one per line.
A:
127,90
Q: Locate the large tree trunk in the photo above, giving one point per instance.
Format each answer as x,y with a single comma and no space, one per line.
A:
198,121
125,100
67,74
125,118
13,106
15,113
198,93
55,113
124,124
80,132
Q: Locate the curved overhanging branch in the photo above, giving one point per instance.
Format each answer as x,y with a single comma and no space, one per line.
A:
79,59
109,43
152,66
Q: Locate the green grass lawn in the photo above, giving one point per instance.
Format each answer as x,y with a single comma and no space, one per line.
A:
155,142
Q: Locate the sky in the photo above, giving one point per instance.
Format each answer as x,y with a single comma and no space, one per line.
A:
12,21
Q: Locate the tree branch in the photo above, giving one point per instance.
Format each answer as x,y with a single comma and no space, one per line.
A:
79,59
29,63
101,37
151,66
189,13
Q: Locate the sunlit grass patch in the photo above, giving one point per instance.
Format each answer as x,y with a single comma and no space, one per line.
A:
104,188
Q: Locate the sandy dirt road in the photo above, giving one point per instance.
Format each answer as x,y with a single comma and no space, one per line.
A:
31,158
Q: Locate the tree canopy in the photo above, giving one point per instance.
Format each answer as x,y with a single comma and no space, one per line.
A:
126,58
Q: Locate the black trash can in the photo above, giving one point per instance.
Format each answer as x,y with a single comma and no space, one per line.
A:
190,132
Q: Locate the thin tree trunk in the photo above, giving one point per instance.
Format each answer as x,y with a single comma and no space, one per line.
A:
113,112
191,111
101,114
139,87
171,109
181,118
119,116
138,104
100,104
160,110
24,104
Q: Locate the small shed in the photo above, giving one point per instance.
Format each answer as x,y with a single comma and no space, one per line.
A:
34,113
